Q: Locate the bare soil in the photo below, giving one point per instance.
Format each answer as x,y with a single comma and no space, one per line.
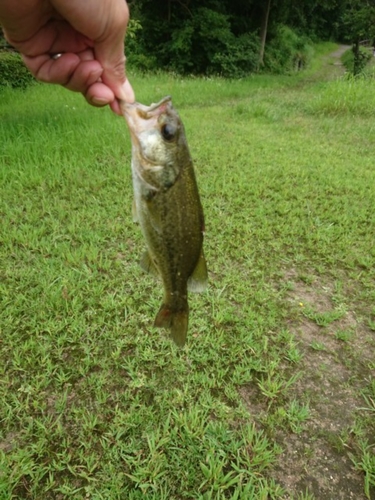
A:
333,373
334,369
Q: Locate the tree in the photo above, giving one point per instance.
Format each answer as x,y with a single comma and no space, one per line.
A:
263,32
230,37
359,24
2,39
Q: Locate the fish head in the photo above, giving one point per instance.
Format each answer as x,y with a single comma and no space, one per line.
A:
158,141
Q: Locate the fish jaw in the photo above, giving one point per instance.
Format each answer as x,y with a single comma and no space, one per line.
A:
140,117
157,135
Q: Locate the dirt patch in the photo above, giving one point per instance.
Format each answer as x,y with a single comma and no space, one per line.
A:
326,475
9,441
339,52
332,66
255,402
336,347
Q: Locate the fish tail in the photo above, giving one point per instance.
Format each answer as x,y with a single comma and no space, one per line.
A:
175,320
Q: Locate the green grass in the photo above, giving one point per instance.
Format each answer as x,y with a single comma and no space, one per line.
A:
349,96
96,403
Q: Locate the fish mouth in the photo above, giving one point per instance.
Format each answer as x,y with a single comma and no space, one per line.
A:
145,112
141,118
153,107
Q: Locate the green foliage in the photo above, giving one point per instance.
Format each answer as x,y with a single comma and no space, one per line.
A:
317,19
13,72
347,60
3,43
287,51
135,56
358,20
195,44
212,37
202,44
363,57
239,58
133,27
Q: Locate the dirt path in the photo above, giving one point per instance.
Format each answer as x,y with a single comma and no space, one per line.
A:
333,373
334,370
339,52
332,66
334,59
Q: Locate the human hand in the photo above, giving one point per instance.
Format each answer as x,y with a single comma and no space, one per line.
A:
89,35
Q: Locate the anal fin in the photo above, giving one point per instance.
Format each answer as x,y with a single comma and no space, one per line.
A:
198,280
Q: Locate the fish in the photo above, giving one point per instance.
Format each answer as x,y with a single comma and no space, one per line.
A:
168,208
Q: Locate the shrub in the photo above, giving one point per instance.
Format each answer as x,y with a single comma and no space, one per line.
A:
363,59
13,72
202,44
187,46
194,45
240,57
287,51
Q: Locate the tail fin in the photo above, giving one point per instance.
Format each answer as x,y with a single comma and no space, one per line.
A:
176,321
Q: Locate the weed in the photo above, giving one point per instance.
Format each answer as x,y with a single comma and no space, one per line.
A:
95,401
366,464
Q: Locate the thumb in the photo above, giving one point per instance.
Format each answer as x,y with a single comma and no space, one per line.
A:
105,24
114,71
110,52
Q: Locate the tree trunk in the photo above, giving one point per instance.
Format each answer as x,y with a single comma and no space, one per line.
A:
357,56
263,33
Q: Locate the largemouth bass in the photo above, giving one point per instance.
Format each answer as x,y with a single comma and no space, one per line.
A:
168,209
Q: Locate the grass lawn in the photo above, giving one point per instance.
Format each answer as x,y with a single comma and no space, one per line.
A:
274,395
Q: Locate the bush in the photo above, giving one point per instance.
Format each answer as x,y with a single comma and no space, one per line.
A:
13,72
347,60
287,51
240,57
202,44
194,45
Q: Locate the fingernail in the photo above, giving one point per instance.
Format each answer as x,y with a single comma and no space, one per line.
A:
99,101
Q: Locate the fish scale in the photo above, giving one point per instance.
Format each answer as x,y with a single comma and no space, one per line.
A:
168,209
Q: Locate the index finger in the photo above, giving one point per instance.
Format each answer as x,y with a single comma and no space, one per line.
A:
106,28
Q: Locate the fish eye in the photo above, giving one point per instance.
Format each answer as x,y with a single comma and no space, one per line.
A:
168,131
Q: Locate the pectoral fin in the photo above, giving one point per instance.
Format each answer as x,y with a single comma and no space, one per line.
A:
134,212
148,265
198,280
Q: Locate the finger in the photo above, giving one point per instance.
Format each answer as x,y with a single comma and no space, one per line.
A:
49,70
52,38
70,71
86,55
99,94
86,74
107,30
115,107
127,93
